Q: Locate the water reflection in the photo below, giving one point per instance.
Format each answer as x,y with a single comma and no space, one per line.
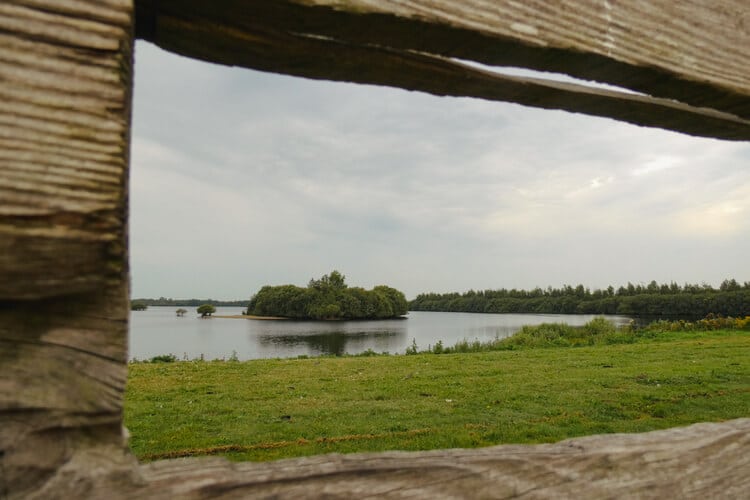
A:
324,337
158,331
333,343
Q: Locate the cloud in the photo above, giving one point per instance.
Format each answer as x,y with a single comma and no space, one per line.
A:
657,165
241,178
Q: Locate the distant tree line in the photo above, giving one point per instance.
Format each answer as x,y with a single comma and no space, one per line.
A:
328,298
653,300
163,301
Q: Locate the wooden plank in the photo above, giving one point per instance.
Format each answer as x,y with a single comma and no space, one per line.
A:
709,460
693,51
65,88
64,128
414,45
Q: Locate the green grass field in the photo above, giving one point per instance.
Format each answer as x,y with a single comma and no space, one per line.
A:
270,409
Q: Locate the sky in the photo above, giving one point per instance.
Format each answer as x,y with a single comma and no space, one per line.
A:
241,179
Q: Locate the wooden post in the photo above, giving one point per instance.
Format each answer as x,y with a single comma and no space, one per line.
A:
65,89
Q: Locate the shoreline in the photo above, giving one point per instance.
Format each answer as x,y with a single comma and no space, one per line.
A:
308,391
266,318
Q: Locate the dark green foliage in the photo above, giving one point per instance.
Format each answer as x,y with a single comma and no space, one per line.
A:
652,300
598,331
334,281
163,358
412,349
138,306
709,323
206,310
328,298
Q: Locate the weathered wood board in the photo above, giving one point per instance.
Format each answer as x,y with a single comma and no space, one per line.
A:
64,129
65,84
696,462
700,461
686,59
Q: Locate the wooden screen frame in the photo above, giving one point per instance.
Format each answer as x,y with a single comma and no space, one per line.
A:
66,89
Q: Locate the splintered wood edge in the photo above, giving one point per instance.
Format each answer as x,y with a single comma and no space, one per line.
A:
411,70
661,50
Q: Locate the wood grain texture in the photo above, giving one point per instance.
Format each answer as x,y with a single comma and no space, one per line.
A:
709,460
645,46
65,88
64,130
659,49
699,461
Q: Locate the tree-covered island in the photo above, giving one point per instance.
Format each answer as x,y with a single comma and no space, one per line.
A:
328,298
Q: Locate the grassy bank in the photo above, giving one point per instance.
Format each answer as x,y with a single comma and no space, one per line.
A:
269,409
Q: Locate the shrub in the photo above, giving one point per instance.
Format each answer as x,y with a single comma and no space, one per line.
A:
163,358
709,323
438,348
206,310
412,349
368,353
599,326
597,331
464,346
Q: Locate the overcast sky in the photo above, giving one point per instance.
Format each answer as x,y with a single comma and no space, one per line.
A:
241,179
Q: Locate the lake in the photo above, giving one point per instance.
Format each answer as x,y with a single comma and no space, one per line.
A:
158,330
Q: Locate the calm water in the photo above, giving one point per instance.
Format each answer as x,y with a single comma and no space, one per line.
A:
159,331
